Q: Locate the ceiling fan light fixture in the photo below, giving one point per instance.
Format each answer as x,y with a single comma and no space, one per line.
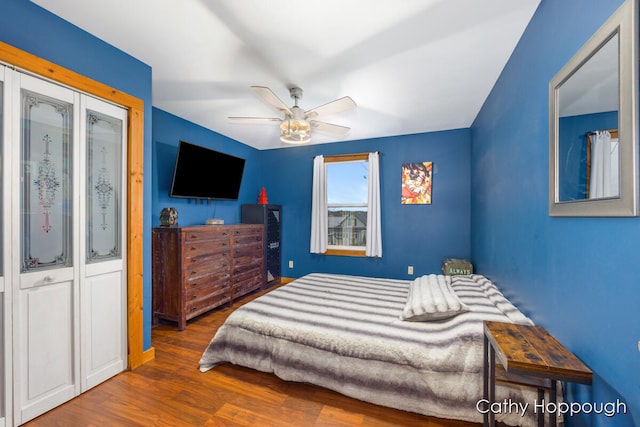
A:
296,126
295,131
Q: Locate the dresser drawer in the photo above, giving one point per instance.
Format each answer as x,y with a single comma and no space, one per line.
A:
207,278
195,267
247,259
206,234
244,239
247,229
205,247
250,283
205,290
250,249
247,275
243,268
200,302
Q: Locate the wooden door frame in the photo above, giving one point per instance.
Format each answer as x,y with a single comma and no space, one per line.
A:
135,167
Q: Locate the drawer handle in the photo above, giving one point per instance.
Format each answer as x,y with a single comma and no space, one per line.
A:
194,308
194,297
194,236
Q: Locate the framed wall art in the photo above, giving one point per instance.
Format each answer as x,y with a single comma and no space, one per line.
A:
417,179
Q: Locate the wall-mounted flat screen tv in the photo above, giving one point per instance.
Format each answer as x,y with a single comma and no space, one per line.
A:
202,173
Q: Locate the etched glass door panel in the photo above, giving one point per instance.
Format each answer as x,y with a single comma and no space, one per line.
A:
45,214
104,183
102,280
46,161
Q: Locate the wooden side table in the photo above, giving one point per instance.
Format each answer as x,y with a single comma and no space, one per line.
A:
531,356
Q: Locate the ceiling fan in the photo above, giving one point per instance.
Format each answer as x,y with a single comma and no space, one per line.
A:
296,125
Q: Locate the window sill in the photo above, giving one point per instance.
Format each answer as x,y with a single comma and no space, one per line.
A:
346,252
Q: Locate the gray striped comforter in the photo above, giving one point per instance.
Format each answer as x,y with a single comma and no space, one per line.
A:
344,333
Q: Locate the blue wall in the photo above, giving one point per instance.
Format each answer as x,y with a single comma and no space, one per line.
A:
417,235
578,277
168,130
29,27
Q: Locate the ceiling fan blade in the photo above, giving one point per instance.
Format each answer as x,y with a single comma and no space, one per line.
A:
342,104
255,119
329,128
271,98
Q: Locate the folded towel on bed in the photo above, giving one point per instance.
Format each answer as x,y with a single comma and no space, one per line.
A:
431,297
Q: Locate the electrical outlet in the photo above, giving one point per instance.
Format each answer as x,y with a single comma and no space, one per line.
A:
638,345
410,270
290,263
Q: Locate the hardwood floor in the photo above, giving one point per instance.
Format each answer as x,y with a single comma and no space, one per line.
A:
171,391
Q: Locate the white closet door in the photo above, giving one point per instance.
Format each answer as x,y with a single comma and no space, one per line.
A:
46,294
62,269
5,260
102,282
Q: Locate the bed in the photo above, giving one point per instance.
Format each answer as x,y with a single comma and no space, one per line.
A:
345,333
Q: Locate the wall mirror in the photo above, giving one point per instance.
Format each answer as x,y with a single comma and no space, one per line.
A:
593,141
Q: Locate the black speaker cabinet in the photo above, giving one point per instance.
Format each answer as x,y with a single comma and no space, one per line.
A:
271,217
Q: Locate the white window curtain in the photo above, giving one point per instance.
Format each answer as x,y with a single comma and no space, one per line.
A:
604,180
319,207
374,232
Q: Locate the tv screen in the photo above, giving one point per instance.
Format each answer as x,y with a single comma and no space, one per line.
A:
202,173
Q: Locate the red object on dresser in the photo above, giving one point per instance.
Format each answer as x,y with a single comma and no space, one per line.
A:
262,198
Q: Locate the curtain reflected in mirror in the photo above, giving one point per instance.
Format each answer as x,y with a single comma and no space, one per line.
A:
603,165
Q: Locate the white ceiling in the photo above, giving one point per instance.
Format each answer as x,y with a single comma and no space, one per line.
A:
412,66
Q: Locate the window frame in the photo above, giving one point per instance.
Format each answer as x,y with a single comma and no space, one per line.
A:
345,250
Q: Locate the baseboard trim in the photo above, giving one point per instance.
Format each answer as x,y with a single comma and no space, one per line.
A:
148,355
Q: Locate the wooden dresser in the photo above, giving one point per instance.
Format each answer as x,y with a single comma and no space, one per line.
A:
196,269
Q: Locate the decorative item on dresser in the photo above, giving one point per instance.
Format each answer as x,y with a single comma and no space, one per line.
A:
169,217
196,269
271,217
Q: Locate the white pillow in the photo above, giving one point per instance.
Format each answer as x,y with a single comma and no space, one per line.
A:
432,298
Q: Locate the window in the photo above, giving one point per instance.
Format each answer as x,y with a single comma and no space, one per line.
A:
345,211
347,204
